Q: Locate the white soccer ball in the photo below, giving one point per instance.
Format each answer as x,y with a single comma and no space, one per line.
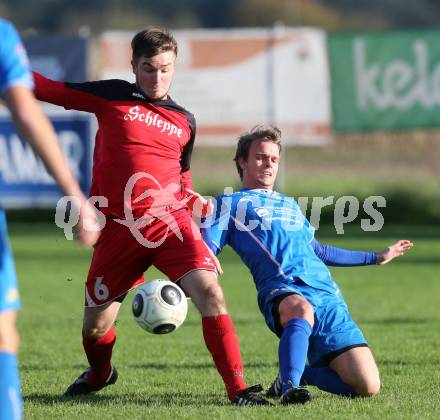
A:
159,306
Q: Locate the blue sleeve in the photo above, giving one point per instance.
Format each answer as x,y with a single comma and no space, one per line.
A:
14,63
215,227
338,257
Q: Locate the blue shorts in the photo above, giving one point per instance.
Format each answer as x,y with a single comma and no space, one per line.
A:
9,299
334,329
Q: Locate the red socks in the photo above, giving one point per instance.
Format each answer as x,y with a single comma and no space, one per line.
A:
99,354
220,338
222,342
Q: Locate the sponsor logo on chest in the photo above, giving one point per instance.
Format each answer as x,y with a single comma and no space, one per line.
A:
152,119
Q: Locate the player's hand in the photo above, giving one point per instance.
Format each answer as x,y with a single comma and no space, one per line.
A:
395,250
199,205
88,228
217,264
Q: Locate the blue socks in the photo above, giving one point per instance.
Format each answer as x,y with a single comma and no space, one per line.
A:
328,380
292,351
11,404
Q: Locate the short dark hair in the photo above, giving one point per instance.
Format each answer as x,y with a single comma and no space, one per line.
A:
152,41
259,132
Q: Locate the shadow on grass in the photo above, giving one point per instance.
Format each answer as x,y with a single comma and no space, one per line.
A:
238,321
415,261
406,363
393,363
186,365
396,321
174,398
148,365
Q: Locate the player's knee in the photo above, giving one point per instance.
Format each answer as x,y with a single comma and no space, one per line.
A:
205,292
305,310
209,299
94,332
295,306
368,387
213,295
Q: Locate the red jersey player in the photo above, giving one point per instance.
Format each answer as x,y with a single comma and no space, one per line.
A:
141,168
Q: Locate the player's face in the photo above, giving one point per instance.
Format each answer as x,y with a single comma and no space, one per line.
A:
261,167
155,74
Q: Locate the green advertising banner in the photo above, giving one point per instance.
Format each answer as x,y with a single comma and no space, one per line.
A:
385,80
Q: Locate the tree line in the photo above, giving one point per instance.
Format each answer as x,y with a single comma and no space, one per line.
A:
67,16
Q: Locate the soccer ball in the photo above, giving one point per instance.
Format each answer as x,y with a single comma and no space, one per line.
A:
159,306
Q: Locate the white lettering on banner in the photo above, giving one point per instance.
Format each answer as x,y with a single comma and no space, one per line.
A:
151,118
399,84
18,162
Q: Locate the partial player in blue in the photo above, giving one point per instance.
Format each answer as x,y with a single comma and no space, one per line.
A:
16,85
297,295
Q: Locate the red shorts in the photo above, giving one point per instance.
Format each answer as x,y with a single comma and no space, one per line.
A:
120,258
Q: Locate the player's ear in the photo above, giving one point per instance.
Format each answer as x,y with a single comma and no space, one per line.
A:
133,65
242,162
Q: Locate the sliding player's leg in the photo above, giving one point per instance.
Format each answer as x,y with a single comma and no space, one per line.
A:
296,319
357,368
352,373
339,357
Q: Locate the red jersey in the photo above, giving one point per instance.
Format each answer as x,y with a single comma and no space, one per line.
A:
135,135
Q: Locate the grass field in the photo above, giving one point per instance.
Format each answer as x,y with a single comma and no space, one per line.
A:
162,377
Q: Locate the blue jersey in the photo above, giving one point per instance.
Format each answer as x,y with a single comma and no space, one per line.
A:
275,241
14,63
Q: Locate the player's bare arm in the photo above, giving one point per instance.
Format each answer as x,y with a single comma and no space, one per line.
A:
395,250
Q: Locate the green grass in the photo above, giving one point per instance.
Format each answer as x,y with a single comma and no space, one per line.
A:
161,377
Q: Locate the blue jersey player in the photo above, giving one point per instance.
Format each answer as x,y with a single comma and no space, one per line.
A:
297,295
16,89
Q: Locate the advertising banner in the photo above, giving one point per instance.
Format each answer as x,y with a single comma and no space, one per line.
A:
24,181
385,80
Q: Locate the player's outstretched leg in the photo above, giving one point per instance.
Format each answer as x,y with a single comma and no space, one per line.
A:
327,380
356,365
222,342
323,378
220,336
